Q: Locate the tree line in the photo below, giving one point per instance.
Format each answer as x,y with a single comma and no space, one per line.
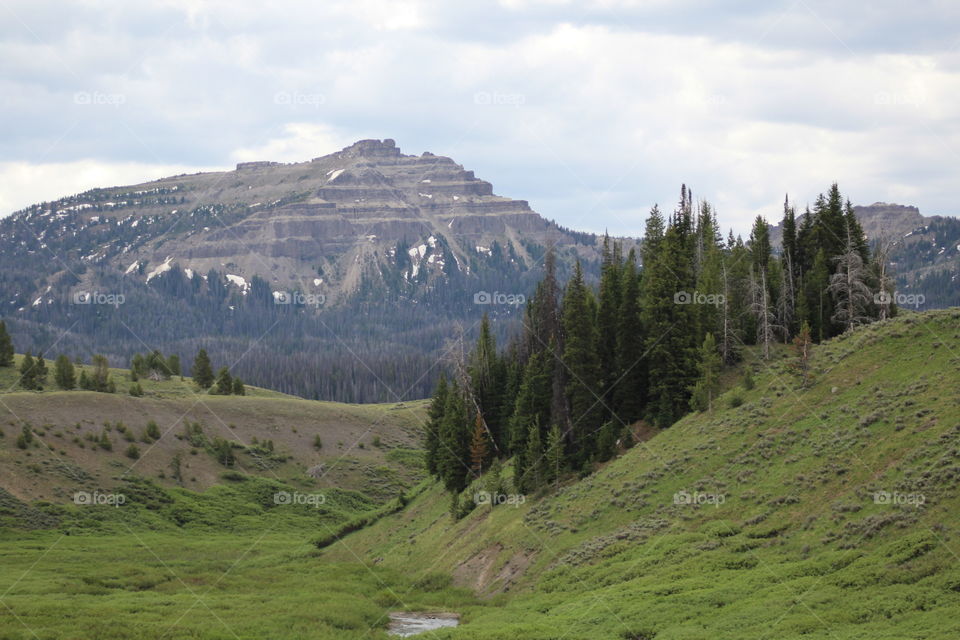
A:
649,340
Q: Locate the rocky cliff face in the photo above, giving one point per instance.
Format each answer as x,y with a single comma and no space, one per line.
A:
387,249
317,225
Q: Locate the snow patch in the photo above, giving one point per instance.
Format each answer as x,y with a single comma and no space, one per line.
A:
239,281
317,282
333,174
132,267
163,268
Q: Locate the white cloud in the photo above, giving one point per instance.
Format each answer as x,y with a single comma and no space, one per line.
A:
300,141
591,111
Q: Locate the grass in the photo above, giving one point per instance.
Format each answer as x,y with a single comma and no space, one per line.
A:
796,541
142,584
798,547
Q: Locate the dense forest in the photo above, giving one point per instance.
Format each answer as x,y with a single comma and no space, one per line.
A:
650,341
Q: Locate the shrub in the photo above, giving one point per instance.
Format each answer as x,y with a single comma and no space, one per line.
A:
133,452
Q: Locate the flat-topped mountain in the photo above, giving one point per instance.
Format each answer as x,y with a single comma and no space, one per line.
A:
279,258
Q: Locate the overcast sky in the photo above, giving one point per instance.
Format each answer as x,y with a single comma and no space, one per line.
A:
592,111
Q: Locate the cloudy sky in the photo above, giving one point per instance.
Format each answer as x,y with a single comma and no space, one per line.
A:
592,111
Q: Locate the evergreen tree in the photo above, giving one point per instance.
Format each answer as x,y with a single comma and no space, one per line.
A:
28,372
760,245
224,384
532,475
479,449
434,421
100,379
486,381
532,406
582,362
202,370
608,316
64,374
41,367
670,325
454,445
138,366
554,459
819,306
6,346
629,394
849,288
173,364
238,388
708,384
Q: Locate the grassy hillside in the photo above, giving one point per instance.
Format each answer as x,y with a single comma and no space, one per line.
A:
829,511
363,447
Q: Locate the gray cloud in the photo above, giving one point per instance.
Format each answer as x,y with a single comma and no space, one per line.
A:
591,110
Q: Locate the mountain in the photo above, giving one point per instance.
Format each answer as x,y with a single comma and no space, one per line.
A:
924,251
365,257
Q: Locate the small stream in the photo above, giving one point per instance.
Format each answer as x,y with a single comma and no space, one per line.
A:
408,624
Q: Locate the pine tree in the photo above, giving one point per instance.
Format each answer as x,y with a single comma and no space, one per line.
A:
238,388
532,476
479,449
849,288
100,379
670,325
173,364
581,360
819,306
486,382
760,245
28,372
708,384
555,458
6,346
41,375
532,406
454,445
608,316
138,366
629,392
64,374
224,384
434,421
202,370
